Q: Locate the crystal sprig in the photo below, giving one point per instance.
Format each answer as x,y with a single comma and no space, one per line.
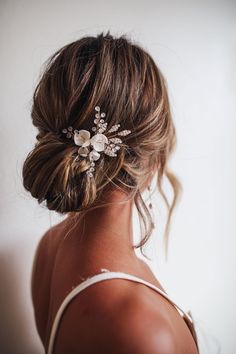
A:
124,132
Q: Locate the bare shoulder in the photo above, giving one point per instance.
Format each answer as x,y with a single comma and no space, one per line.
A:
114,318
41,273
143,330
43,257
49,240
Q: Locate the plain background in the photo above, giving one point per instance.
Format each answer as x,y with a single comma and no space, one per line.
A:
193,43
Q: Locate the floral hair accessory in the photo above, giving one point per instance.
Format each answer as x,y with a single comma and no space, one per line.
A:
92,146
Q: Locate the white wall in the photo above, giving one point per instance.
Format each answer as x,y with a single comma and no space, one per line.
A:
193,42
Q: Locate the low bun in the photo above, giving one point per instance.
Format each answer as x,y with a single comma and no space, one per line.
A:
52,175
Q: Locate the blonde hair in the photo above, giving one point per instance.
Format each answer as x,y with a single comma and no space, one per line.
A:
123,79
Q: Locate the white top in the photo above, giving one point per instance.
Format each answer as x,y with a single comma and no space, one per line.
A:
105,275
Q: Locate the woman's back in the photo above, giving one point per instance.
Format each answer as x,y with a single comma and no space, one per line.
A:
103,313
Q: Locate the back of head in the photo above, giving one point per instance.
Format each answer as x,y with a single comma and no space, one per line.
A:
122,78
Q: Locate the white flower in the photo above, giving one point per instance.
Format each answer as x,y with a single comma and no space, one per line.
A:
98,142
82,137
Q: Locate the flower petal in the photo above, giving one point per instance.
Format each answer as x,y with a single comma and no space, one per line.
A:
98,141
83,151
81,137
86,143
94,155
84,134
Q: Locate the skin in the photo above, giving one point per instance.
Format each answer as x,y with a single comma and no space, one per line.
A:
114,316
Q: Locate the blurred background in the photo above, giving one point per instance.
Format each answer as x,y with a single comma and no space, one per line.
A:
194,45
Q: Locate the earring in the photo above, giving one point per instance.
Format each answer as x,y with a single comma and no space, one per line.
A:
151,206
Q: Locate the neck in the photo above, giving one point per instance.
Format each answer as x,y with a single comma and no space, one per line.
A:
106,232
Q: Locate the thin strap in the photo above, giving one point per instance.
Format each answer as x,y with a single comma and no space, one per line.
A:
95,279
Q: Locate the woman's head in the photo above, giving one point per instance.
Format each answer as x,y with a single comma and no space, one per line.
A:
122,78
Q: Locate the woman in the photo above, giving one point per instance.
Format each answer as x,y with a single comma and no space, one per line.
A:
104,130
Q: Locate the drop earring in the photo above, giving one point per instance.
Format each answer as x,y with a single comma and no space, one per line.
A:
150,206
